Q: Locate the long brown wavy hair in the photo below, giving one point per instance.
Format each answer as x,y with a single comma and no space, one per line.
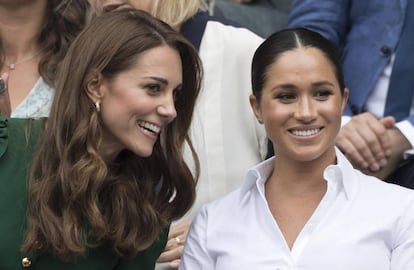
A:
63,20
77,201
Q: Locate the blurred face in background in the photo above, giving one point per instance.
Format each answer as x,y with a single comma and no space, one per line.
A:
103,6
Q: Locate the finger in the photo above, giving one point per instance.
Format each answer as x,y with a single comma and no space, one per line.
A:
179,231
175,241
175,264
170,255
179,240
355,146
367,145
179,228
372,149
368,135
171,243
380,128
388,122
352,154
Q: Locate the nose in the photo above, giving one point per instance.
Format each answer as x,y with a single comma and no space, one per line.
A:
305,110
167,108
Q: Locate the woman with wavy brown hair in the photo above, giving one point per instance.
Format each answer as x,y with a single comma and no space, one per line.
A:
226,135
34,38
108,175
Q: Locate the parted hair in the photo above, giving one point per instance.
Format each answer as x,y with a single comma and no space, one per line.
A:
287,40
63,20
176,12
76,201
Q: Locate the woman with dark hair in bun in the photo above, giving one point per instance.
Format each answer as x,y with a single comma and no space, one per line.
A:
306,207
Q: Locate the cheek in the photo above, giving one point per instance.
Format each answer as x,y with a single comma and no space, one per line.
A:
333,114
274,116
275,112
114,108
111,118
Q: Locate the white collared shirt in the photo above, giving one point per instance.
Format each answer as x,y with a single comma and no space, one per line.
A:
361,223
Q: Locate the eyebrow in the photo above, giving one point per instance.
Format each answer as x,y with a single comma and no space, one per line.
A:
285,86
292,87
158,79
323,83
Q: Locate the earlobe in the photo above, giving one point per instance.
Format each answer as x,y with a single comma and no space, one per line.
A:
345,98
94,88
256,108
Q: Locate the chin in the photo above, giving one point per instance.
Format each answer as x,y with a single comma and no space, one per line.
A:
307,154
144,154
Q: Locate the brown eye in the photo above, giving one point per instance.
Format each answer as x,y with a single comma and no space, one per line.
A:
153,88
286,97
323,95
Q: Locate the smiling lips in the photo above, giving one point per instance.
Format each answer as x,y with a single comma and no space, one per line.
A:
111,7
149,128
305,132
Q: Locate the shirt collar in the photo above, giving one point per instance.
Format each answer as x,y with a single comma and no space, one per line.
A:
340,175
343,173
257,174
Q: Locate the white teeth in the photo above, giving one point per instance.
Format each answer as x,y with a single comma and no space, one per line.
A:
151,127
304,133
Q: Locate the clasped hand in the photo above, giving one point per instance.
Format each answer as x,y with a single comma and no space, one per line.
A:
374,146
175,245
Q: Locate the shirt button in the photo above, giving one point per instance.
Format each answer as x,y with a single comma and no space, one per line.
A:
385,50
26,262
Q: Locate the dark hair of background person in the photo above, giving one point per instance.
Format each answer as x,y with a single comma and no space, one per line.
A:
64,19
126,204
287,40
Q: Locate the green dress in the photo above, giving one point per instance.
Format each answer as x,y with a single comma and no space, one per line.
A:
18,138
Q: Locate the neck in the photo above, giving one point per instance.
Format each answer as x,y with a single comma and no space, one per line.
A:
300,177
19,29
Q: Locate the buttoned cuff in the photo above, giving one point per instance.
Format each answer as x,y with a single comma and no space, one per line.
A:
407,129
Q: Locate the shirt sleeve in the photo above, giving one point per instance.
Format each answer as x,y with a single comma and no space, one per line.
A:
196,254
407,129
402,257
